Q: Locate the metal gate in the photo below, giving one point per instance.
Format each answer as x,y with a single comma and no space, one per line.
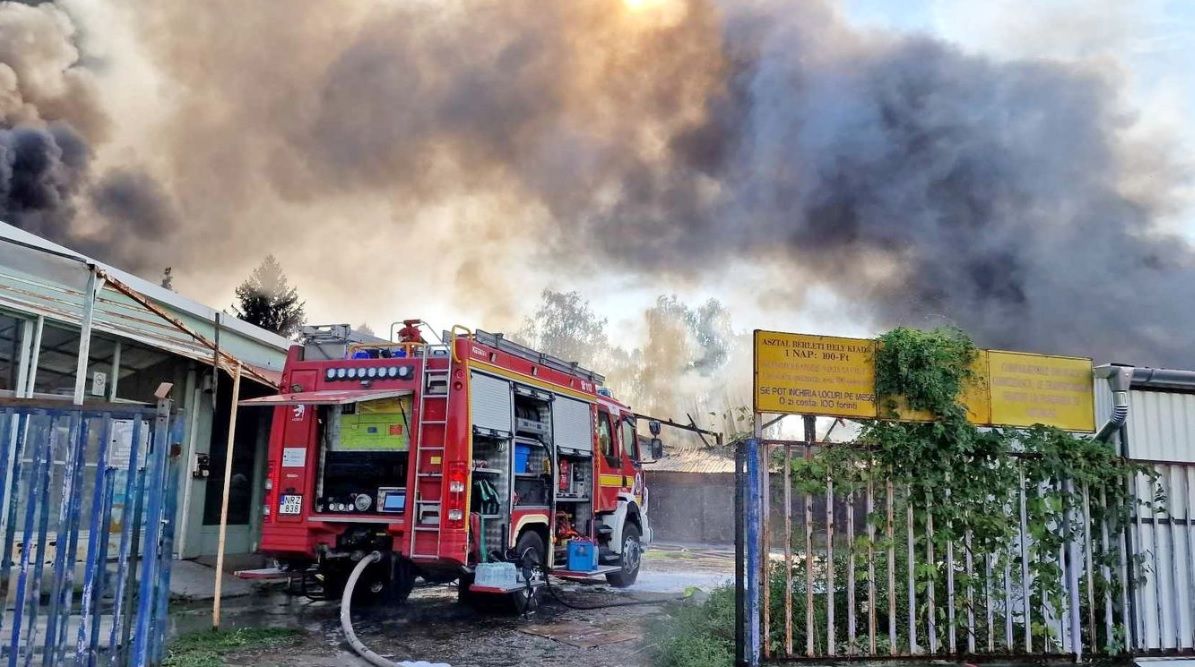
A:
857,574
87,511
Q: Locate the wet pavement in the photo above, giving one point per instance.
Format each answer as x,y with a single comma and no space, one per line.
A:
433,626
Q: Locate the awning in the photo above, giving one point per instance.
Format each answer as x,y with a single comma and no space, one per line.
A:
327,397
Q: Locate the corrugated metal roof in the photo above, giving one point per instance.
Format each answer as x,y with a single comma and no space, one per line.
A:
42,278
702,461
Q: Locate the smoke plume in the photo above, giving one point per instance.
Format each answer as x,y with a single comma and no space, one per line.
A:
662,138
51,122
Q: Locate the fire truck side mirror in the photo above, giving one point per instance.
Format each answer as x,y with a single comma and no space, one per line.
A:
657,449
654,427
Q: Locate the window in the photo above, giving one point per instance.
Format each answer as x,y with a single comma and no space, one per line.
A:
605,439
630,443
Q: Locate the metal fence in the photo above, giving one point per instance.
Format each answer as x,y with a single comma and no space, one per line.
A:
86,516
861,572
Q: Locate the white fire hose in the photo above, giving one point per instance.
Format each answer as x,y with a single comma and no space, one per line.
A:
346,622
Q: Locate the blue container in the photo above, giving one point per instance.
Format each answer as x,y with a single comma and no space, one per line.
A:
522,455
582,555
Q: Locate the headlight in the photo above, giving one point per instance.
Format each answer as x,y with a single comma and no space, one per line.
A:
392,371
362,502
330,374
352,373
341,373
404,372
372,372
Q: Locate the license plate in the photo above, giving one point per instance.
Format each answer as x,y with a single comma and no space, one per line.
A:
291,504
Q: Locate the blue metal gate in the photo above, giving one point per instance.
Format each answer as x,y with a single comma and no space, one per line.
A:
88,520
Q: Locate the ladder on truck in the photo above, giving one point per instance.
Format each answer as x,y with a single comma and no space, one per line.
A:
427,511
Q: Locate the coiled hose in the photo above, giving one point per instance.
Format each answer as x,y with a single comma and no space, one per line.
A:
346,622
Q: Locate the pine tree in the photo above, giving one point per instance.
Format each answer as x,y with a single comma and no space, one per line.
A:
265,299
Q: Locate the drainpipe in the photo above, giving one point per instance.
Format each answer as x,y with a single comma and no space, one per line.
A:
1119,378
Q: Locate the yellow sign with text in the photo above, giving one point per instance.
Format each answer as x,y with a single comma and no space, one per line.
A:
822,375
835,377
1030,389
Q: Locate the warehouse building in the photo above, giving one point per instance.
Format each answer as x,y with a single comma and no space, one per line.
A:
76,330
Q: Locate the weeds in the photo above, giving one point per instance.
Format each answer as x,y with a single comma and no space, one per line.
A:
207,648
697,635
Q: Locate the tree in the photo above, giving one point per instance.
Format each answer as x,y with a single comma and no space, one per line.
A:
565,326
265,299
168,279
364,328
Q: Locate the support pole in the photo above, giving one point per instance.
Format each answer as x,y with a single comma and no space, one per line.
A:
754,540
232,427
740,565
115,373
94,284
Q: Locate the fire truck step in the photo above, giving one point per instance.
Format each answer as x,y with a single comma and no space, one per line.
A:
582,575
431,474
434,422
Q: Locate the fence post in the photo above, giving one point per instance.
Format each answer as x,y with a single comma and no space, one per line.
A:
740,527
1072,573
156,472
754,539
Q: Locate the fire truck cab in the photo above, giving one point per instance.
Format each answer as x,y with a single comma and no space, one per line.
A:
448,457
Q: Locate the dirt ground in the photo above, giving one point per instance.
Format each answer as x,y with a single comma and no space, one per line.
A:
433,627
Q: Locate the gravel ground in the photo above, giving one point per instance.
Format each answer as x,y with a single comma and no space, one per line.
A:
433,627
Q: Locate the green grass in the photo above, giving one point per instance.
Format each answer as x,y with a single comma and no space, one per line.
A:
207,648
697,635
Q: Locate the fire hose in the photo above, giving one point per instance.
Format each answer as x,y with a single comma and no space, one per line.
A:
346,622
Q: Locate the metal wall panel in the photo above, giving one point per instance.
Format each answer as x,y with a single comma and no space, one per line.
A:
1162,426
491,402
1161,429
572,424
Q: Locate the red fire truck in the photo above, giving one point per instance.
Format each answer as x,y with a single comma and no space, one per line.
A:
449,457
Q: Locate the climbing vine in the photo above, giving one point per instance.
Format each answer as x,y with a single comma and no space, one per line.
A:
967,487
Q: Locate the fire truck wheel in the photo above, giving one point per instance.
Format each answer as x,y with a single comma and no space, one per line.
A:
530,551
380,584
632,554
402,581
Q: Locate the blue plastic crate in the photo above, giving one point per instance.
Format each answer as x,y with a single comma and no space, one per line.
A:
522,455
582,555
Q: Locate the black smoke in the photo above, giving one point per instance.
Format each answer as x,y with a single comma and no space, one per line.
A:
51,120
41,170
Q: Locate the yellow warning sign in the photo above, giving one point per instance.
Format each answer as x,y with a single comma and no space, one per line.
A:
821,375
1030,389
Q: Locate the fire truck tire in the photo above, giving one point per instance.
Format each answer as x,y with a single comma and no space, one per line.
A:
376,586
632,555
402,581
529,550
